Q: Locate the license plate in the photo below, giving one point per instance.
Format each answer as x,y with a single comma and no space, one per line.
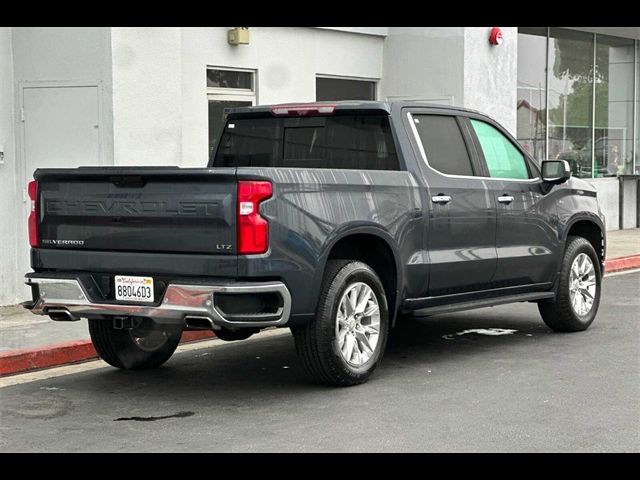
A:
134,289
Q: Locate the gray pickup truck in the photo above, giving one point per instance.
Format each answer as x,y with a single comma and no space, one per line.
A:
333,219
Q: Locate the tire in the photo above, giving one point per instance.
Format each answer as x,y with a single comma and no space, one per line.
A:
132,349
318,342
562,315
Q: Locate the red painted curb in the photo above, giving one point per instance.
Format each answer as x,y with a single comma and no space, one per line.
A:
622,263
47,356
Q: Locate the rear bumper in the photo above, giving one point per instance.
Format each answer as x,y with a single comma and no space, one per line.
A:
66,297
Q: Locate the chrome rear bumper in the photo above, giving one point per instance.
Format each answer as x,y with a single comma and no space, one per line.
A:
66,296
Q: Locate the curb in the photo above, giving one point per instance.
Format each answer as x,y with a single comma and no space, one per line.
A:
622,263
47,356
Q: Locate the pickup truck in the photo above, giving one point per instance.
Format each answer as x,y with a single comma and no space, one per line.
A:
335,220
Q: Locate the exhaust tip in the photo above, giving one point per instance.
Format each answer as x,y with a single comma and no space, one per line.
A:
200,323
61,315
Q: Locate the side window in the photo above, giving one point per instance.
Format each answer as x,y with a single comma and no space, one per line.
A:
503,159
443,144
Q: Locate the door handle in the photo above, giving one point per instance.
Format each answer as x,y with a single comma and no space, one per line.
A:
505,199
440,198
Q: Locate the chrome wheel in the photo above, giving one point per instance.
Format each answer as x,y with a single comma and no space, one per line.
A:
582,284
358,324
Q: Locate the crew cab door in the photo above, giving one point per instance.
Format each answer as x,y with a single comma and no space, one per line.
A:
461,227
526,237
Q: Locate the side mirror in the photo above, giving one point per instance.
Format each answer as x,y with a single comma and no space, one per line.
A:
555,171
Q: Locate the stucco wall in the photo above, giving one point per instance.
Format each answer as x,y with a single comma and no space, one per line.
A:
491,74
9,191
286,61
68,54
424,64
146,95
453,65
49,56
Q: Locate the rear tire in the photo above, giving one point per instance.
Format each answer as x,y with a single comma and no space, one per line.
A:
147,346
576,303
344,345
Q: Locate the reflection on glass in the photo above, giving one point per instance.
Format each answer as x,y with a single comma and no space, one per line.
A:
613,146
229,79
335,89
571,99
532,90
218,117
636,169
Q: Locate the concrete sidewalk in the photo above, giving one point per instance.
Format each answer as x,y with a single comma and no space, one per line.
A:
623,243
20,330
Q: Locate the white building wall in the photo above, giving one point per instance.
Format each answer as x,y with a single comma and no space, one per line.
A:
424,64
67,54
46,56
453,66
286,61
491,74
147,94
9,190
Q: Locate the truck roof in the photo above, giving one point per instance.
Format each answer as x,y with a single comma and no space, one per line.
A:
343,106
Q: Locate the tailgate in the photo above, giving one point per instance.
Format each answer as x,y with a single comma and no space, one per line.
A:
150,209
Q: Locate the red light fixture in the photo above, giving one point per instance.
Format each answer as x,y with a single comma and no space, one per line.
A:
34,238
495,37
253,229
303,109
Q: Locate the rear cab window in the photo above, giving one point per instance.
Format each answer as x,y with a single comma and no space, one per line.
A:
362,142
443,145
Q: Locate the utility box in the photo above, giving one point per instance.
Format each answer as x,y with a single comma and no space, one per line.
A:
238,36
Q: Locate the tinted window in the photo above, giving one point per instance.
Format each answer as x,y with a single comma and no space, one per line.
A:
503,159
229,79
353,141
331,89
443,144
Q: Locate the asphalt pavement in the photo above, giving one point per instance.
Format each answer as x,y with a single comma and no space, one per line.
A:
438,389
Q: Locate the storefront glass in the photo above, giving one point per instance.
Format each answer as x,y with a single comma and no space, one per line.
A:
636,157
532,90
613,130
576,99
571,99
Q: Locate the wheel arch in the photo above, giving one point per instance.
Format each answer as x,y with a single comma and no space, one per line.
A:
362,243
590,228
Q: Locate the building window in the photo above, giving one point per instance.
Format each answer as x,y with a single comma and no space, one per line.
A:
636,93
570,99
576,100
613,132
227,88
336,89
532,91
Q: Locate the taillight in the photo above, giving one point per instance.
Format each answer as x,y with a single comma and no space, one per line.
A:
34,239
253,230
304,109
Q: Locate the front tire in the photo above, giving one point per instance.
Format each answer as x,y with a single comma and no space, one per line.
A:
579,287
346,342
148,345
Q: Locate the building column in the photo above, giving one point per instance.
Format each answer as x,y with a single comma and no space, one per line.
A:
453,66
147,95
